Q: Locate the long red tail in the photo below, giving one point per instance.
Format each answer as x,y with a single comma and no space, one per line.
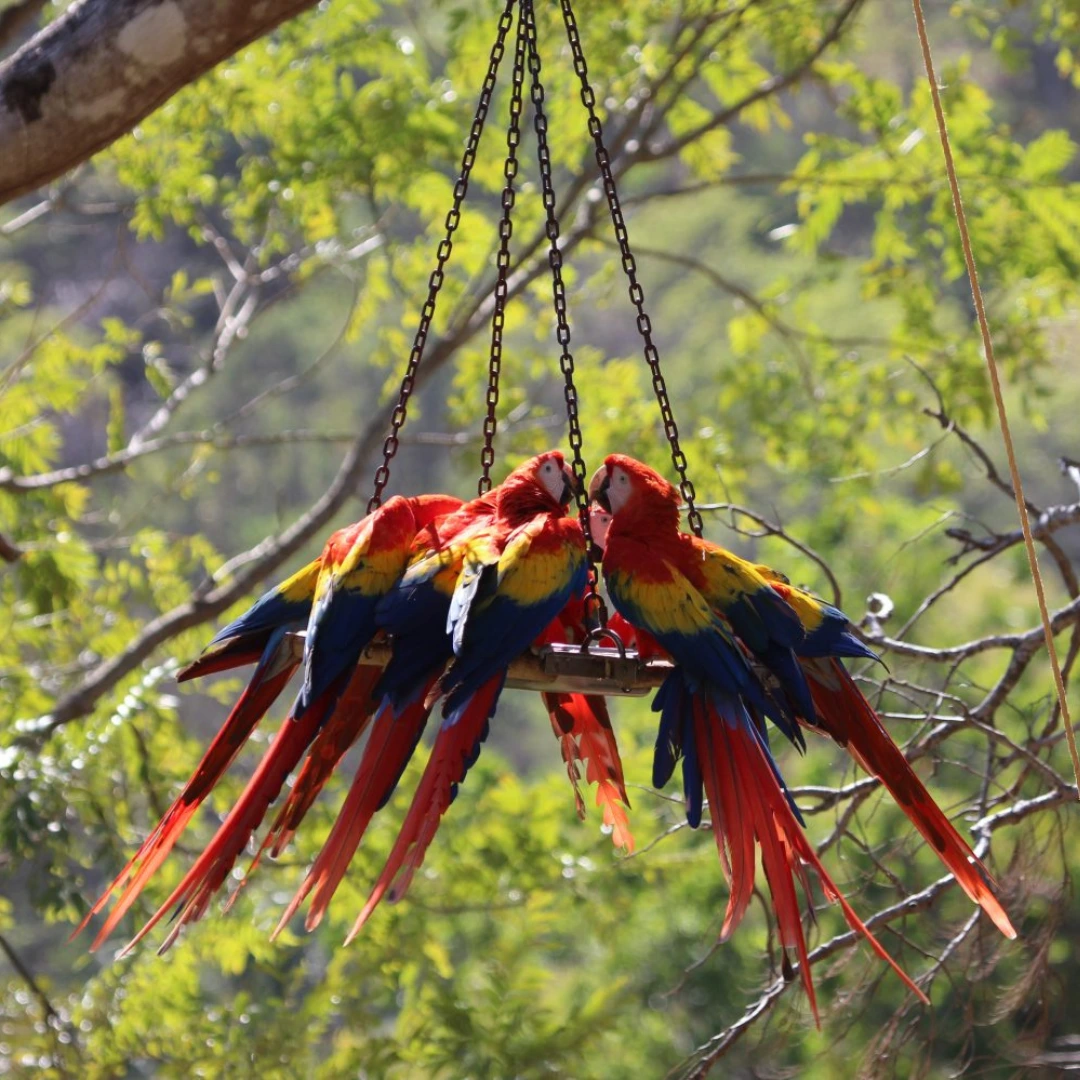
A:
849,718
198,886
748,804
455,749
265,686
351,716
390,746
583,728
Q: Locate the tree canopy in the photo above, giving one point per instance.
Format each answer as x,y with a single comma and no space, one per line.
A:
202,334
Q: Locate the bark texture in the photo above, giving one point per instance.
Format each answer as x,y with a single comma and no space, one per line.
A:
94,73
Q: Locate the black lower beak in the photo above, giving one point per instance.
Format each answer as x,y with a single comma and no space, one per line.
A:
600,495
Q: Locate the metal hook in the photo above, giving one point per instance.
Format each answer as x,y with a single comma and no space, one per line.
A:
598,633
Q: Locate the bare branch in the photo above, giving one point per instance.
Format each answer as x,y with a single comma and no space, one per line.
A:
237,577
708,1054
776,85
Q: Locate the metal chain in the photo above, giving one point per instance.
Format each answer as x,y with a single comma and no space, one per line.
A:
558,289
629,265
506,229
453,218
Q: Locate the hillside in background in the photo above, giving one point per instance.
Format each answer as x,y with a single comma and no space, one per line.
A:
202,332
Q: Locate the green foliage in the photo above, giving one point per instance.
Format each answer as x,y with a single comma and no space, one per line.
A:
805,283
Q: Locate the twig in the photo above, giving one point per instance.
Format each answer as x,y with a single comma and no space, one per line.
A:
995,384
777,84
32,984
771,528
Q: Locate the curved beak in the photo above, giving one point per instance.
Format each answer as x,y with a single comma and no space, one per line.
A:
598,488
570,486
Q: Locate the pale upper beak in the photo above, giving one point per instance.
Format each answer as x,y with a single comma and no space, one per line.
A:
570,485
598,487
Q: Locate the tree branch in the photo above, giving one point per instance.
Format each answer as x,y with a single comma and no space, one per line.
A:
777,84
91,75
269,554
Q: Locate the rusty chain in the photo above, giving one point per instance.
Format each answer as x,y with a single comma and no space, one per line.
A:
506,229
446,245
629,265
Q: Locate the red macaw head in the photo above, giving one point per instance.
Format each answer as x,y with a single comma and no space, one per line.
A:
544,482
599,523
627,490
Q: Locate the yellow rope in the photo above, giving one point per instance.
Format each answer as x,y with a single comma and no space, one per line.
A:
995,382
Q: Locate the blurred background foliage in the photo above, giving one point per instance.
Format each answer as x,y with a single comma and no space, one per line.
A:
202,325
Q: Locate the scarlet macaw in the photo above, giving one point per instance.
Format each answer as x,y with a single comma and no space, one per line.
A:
731,587
516,574
356,564
710,706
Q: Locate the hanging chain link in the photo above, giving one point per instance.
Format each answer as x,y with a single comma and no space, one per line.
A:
629,265
593,600
506,229
446,245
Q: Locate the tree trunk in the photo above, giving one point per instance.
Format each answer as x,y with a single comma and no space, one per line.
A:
94,73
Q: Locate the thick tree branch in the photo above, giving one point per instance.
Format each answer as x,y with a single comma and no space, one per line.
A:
92,74
250,567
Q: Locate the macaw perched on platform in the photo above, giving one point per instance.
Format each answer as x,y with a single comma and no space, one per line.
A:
516,574
707,705
358,564
836,706
682,588
413,614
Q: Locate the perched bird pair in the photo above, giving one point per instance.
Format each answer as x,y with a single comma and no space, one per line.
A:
460,590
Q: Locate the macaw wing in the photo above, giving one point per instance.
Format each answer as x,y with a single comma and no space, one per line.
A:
478,581
245,638
828,630
664,602
414,613
502,604
358,571
756,611
769,626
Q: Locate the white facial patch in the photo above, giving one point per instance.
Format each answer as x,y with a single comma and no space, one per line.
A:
619,489
551,476
599,523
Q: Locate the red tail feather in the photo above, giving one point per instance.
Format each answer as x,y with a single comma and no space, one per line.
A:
259,695
192,896
233,653
582,725
390,745
849,718
446,767
350,717
747,804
